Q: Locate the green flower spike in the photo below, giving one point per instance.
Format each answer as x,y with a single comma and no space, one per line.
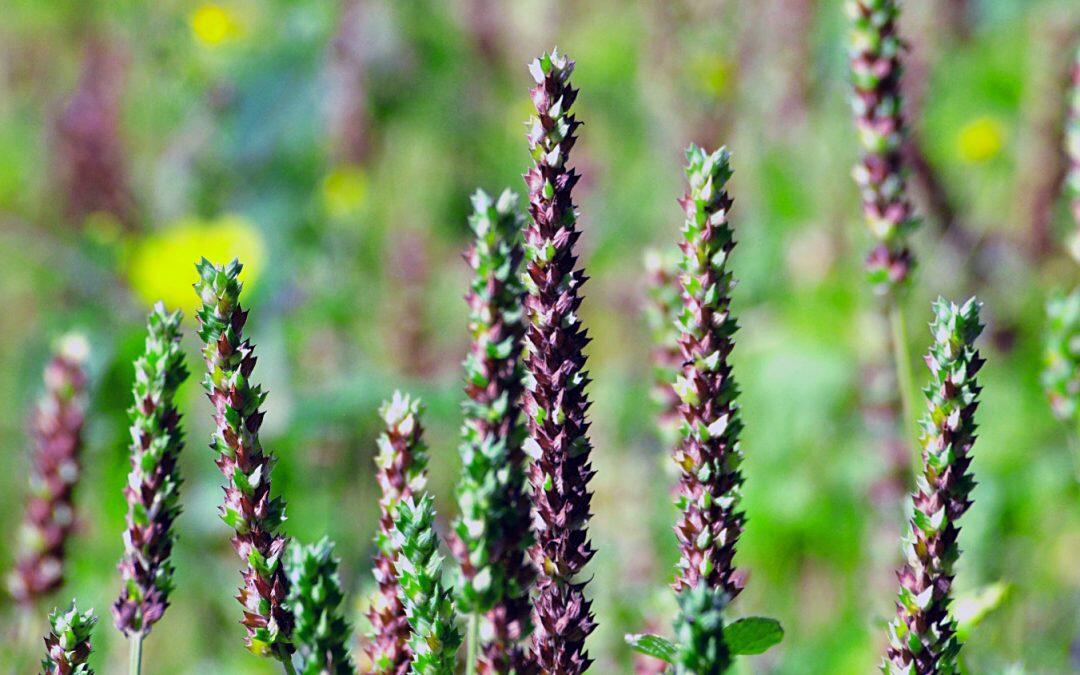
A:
321,633
67,646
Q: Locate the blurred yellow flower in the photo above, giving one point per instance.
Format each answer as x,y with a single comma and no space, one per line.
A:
344,190
980,140
213,25
711,74
162,264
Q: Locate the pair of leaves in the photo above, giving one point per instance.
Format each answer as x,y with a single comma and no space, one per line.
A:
752,635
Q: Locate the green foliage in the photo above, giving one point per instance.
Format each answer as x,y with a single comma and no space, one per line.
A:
67,646
428,602
322,634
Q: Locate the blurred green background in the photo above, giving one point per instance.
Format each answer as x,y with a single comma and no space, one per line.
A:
333,146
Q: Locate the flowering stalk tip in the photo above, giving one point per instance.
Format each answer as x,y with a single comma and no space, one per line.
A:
321,633
877,104
428,603
153,487
555,402
56,466
401,471
922,637
492,536
67,646
255,516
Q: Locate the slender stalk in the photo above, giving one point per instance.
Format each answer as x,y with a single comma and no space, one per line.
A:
472,643
289,670
135,642
904,377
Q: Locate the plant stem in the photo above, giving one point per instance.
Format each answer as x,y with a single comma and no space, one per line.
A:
903,374
287,662
472,644
136,654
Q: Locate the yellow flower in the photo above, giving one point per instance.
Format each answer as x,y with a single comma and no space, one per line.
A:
344,190
213,25
980,140
711,74
162,264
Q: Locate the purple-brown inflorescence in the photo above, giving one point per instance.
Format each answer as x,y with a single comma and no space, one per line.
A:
56,429
492,536
1072,151
401,470
153,487
877,103
922,637
67,646
662,312
708,455
249,508
555,402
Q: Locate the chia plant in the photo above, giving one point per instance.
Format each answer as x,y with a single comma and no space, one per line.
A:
153,487
56,429
555,399
255,516
67,646
922,637
321,633
492,536
428,603
401,471
707,454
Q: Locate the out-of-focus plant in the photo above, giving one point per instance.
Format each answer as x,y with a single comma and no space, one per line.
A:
401,470
67,646
254,514
1061,357
922,637
427,601
153,487
492,535
56,467
707,454
662,313
1072,151
321,633
555,401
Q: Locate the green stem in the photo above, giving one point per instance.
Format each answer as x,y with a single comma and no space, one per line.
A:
136,654
287,662
904,377
472,644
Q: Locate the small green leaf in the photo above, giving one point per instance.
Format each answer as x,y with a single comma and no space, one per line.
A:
753,635
653,645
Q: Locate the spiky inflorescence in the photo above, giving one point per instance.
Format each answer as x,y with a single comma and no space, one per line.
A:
923,635
56,429
428,603
1061,371
662,312
699,632
708,454
1072,150
153,487
401,472
877,103
67,646
491,538
321,633
555,402
249,508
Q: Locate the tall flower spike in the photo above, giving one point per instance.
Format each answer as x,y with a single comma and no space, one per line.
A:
875,71
1072,150
153,487
56,429
662,313
401,472
922,637
1061,371
491,537
428,603
708,454
249,508
555,402
321,633
67,646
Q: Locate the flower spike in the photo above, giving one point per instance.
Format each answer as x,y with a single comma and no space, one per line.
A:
153,487
321,633
67,646
255,516
555,400
922,637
